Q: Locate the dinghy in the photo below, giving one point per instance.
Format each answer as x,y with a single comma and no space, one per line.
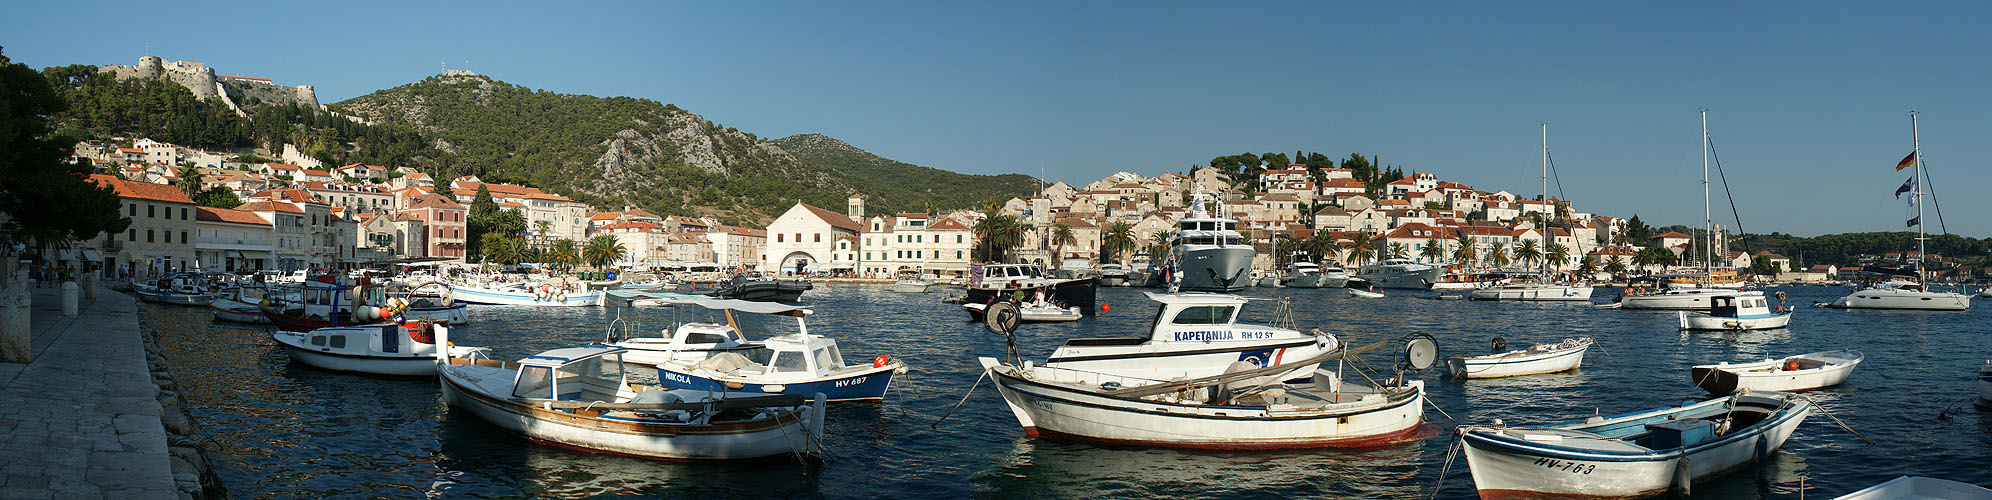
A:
1737,312
1540,358
1919,488
581,397
1985,386
1032,312
1365,294
1803,372
1632,455
1245,408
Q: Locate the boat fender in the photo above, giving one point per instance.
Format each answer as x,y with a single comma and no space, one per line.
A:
385,312
1684,476
881,361
1791,365
560,296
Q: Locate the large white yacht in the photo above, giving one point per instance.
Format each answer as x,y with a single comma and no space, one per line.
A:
1905,294
1399,273
1206,254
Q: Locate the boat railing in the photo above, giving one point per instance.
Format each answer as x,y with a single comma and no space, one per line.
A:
1077,376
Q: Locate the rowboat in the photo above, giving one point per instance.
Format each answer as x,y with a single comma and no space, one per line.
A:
388,349
1537,359
1737,312
1246,408
231,306
1803,372
581,397
1919,488
1632,455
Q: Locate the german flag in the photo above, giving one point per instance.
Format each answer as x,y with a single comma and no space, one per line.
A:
1906,161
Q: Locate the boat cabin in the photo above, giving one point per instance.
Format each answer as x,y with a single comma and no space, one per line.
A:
373,339
588,373
1738,306
1206,317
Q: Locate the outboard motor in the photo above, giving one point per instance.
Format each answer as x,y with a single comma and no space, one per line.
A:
1500,345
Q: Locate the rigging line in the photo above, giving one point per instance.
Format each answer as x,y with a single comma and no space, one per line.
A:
1730,195
1933,196
1553,174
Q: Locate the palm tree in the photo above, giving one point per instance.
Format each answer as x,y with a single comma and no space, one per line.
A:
1158,244
996,234
1284,245
1396,250
540,228
1463,249
1061,235
1361,250
1433,251
507,251
566,253
190,181
1587,268
1558,255
1498,256
1118,238
603,250
1643,258
1528,253
1322,245
1615,265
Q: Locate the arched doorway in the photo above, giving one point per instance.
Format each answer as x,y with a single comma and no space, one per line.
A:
796,262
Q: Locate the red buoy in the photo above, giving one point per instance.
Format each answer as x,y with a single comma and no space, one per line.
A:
1104,307
881,361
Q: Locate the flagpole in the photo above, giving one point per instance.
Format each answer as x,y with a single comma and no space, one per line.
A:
1916,137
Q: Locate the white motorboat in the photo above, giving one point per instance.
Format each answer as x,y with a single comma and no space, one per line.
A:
914,285
1031,312
1985,386
582,397
176,289
1365,294
1685,299
799,363
1112,274
1334,276
1533,292
1731,311
1206,252
1920,488
1902,294
1193,335
1631,455
528,294
387,349
1985,292
234,306
1399,273
1803,372
691,342
991,282
1245,408
1304,274
1537,359
1469,281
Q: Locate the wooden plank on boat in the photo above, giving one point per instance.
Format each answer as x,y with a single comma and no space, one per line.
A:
1168,387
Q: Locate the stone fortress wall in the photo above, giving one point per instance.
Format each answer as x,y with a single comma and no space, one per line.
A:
198,78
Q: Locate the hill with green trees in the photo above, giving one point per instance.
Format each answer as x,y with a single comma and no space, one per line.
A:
623,151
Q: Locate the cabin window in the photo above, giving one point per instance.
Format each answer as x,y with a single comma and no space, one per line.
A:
1205,315
338,341
704,338
534,382
824,359
790,362
318,340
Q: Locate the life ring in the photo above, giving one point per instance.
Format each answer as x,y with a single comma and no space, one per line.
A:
881,361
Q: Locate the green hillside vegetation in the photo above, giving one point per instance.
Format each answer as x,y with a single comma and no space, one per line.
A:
100,106
1845,249
901,187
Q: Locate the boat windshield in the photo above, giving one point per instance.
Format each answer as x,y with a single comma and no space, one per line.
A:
1204,315
829,358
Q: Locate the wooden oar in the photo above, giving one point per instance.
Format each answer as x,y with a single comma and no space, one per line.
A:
1167,387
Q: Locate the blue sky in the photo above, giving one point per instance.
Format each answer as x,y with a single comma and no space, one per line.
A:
1808,101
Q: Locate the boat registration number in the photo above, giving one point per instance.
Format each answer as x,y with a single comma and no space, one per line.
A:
1210,335
1566,465
851,382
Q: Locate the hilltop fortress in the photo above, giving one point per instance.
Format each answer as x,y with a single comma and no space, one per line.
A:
201,80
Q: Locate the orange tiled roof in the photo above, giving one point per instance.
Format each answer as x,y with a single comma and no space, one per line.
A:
142,190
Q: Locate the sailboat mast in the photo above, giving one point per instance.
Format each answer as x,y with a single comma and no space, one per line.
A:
1916,136
1544,229
1708,221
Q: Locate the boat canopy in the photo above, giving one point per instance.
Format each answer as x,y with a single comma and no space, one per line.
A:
565,355
749,306
1196,298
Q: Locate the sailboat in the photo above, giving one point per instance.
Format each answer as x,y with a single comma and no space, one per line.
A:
1703,292
1544,289
1905,294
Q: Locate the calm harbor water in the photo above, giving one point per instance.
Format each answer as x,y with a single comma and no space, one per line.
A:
289,431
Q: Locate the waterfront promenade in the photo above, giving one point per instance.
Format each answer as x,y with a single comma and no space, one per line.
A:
83,419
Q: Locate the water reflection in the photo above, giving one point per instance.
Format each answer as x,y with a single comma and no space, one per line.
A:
1053,469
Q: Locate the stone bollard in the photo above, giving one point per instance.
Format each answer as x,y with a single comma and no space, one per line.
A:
72,298
90,286
15,344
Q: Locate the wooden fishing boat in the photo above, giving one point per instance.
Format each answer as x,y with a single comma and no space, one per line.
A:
1803,372
1194,335
799,363
386,349
581,397
527,294
233,306
1737,312
1246,408
1537,359
1632,455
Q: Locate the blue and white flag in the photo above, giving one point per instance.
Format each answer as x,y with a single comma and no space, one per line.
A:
1907,186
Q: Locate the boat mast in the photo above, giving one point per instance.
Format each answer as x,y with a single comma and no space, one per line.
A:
1916,137
1708,221
1545,199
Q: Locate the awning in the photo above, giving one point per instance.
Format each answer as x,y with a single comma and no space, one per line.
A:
834,267
92,255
